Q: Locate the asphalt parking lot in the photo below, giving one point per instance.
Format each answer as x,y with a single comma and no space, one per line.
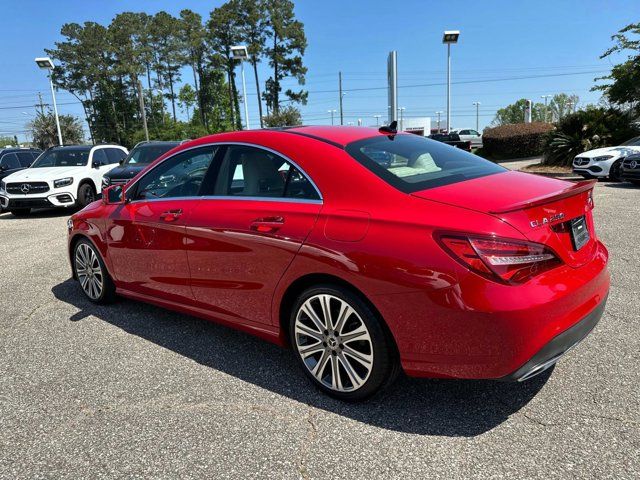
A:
131,390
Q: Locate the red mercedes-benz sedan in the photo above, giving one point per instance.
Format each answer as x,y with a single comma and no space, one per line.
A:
367,251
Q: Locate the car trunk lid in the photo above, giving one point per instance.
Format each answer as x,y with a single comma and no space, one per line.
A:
541,208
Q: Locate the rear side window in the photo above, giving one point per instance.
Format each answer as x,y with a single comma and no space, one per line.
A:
115,155
10,161
411,163
253,172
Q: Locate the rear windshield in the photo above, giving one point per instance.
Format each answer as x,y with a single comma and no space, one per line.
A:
634,142
68,157
145,154
412,163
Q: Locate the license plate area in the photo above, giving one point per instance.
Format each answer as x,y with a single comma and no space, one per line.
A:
579,232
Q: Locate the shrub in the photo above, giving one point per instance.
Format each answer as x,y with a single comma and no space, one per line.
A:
585,130
285,117
515,140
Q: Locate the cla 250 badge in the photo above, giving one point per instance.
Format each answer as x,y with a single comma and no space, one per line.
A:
545,220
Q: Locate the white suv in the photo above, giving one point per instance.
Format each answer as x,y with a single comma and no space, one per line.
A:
605,162
60,177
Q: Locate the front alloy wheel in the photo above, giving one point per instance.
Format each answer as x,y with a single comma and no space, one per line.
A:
92,274
341,344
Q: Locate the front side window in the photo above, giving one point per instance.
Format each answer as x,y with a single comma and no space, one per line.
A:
411,163
69,157
179,176
115,155
9,162
253,172
25,158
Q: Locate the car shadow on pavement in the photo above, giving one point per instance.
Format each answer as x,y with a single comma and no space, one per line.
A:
622,185
44,213
419,406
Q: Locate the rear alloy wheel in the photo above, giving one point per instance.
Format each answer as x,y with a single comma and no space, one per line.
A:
614,171
341,344
20,212
92,274
86,195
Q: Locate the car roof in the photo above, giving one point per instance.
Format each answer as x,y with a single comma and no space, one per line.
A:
73,147
337,135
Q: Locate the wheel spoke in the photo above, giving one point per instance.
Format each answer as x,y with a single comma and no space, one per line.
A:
310,312
363,358
319,367
326,311
304,330
356,334
336,381
356,381
345,312
313,349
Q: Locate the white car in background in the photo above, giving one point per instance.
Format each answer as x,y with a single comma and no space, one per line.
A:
469,135
605,162
69,176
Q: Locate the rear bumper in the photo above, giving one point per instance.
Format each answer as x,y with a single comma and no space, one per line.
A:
549,355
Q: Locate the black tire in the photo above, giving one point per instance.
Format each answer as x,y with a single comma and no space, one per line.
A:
108,290
86,195
385,364
20,212
614,171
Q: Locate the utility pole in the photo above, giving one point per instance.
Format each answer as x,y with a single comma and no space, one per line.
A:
546,97
438,113
477,105
41,103
392,85
340,90
401,110
142,111
331,112
377,117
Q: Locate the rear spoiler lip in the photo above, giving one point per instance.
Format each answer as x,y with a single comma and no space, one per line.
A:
575,189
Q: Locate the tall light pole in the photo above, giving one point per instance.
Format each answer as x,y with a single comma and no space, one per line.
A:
239,52
546,97
341,95
377,117
449,37
439,113
331,112
45,63
477,105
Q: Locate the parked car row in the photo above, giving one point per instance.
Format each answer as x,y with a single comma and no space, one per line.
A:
615,163
69,176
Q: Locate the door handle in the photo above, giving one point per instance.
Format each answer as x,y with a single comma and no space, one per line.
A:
267,224
171,215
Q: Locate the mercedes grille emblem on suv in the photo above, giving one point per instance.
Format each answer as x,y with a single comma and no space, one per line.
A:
24,188
633,164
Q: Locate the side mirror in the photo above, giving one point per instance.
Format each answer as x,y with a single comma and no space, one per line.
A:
3,168
113,195
95,164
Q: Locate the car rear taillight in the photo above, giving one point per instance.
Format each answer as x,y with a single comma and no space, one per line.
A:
504,260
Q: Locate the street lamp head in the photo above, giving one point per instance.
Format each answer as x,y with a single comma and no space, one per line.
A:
450,36
239,52
45,63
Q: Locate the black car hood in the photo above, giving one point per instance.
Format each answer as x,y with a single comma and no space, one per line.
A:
126,171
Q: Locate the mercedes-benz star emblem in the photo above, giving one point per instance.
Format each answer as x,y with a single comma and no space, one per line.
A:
633,164
24,188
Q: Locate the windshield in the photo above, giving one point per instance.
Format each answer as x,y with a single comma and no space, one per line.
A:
634,142
145,154
412,163
62,158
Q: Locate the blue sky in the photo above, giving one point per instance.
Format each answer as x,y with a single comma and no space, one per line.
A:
507,50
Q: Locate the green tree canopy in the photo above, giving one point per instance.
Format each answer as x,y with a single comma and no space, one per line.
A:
44,132
623,87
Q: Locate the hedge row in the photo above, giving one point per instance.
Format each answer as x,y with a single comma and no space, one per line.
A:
515,140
